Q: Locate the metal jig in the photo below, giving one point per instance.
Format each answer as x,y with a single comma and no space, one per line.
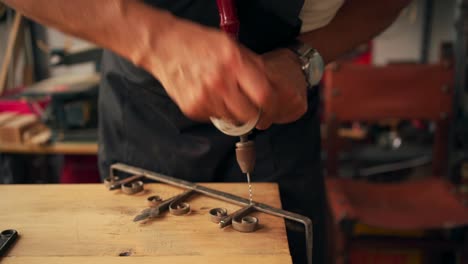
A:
234,199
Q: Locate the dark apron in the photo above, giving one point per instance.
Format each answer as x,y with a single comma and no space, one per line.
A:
141,126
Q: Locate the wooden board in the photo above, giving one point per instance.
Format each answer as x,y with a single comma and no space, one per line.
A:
54,148
88,224
251,259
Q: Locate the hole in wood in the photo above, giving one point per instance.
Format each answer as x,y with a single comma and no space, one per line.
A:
125,254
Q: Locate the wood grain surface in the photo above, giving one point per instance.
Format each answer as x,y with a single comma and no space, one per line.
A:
88,224
54,148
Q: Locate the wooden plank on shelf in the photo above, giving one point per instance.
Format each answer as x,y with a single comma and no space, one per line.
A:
12,38
13,130
70,148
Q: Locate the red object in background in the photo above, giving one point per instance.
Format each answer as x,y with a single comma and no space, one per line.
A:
419,124
80,169
21,105
360,256
366,57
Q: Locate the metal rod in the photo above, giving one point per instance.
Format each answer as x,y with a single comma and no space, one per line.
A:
231,198
118,184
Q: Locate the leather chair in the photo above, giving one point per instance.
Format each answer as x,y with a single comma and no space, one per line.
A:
369,94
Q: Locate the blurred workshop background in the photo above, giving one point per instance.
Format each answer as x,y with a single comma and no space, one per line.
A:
394,110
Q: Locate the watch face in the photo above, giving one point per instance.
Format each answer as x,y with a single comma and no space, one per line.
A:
316,68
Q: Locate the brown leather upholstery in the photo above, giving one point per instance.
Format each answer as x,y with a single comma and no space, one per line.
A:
369,93
422,204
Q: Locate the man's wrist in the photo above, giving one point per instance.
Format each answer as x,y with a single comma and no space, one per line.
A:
149,25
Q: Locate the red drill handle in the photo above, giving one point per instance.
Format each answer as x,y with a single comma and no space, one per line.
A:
229,22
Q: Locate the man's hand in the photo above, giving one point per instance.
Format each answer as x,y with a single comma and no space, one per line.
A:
289,84
208,74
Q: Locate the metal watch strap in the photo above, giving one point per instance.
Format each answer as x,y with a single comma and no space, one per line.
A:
300,48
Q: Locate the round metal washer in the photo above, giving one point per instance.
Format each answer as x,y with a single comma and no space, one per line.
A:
132,187
154,200
179,208
247,224
108,182
216,214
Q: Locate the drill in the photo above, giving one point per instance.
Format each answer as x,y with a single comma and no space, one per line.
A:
245,148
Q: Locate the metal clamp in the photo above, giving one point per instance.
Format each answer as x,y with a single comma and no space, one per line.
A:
179,208
154,200
216,214
132,187
236,215
246,224
240,220
116,184
110,180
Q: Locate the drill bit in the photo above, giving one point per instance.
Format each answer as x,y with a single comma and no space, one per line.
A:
245,154
250,187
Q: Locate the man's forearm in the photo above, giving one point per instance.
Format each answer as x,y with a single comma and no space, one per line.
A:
119,25
356,22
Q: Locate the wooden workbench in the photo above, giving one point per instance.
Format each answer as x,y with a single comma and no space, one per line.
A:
62,224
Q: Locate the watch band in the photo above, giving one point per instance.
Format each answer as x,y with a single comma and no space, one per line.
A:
312,62
300,48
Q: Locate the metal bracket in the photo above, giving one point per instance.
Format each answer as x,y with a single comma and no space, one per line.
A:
227,197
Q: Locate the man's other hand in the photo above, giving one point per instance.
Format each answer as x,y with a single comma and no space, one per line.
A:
288,82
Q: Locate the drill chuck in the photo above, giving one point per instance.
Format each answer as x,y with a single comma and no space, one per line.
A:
245,154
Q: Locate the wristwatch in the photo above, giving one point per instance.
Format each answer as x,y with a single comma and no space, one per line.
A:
312,62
